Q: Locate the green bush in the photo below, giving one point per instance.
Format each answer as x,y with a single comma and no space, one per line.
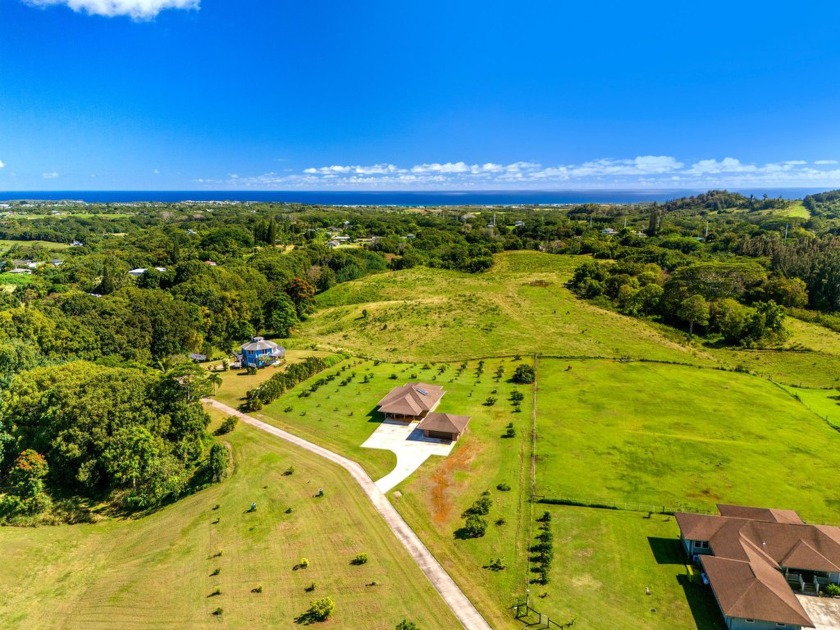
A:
832,590
228,425
503,487
524,374
359,559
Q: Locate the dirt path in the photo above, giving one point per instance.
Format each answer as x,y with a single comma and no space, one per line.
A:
452,595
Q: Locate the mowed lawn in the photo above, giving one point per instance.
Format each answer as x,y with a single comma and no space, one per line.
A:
433,498
156,572
681,437
603,562
519,306
342,417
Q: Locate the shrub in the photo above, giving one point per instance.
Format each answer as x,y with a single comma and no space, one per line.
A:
393,377
289,471
257,589
218,611
228,425
524,374
510,431
319,610
304,563
491,400
832,590
359,559
310,588
503,487
216,571
215,593
481,507
405,624
474,527
517,396
500,521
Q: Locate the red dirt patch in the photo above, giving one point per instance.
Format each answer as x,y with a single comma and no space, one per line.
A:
443,479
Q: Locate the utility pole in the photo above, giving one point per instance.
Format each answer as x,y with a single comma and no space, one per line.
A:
786,231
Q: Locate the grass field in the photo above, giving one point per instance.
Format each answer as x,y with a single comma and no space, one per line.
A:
343,417
604,560
156,572
681,437
431,314
6,245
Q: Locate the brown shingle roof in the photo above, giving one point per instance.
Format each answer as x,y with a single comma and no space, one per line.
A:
411,399
759,514
444,423
753,589
749,553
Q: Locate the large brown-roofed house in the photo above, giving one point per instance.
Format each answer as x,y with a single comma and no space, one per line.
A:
754,557
443,426
411,402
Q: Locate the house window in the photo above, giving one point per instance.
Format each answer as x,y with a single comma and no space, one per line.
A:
750,620
701,544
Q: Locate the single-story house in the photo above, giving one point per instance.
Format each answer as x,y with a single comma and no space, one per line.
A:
443,426
754,560
258,353
411,402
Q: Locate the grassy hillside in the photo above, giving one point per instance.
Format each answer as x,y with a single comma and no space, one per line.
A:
520,306
156,572
681,436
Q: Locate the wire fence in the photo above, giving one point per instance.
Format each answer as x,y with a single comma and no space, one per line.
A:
533,618
624,506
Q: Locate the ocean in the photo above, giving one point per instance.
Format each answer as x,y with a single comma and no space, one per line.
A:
389,198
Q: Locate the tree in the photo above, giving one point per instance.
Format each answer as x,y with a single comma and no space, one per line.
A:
301,293
218,462
280,314
27,476
729,317
405,624
524,374
694,310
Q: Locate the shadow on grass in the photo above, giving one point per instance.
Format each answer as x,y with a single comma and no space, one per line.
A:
667,550
701,601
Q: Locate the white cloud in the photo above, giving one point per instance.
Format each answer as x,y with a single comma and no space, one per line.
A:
641,172
825,162
136,9
2,164
50,175
156,172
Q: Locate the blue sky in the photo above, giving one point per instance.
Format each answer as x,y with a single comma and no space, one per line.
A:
324,94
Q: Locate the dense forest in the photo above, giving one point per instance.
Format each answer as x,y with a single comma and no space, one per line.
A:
103,304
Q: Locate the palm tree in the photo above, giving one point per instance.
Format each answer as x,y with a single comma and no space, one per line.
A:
215,380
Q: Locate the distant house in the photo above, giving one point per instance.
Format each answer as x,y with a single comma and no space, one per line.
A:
333,244
258,353
341,239
198,358
141,270
518,223
210,263
411,402
19,270
77,244
755,558
443,426
608,232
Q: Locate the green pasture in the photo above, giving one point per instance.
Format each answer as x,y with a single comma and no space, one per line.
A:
520,306
681,437
157,571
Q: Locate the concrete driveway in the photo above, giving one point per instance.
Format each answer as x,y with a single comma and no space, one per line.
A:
410,447
823,611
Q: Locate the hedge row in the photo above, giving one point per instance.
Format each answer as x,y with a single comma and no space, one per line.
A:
283,381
